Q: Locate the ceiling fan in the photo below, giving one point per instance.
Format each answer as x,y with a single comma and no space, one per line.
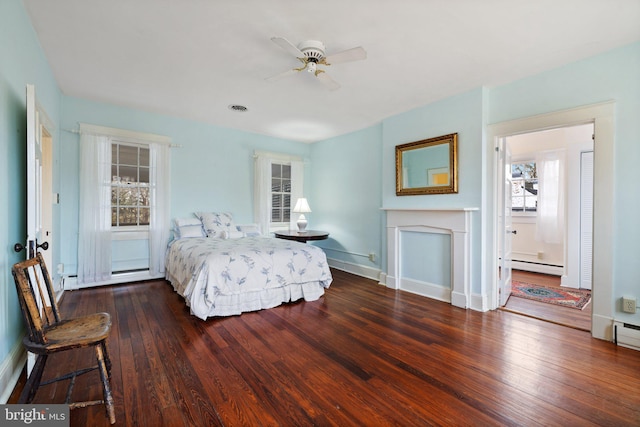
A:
311,54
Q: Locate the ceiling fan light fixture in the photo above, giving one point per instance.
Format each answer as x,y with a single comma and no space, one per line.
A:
311,67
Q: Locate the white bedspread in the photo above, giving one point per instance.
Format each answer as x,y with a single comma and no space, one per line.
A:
220,277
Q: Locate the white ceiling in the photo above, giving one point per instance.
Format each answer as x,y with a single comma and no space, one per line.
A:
193,58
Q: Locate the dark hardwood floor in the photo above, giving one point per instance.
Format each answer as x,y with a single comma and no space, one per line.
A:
361,355
579,319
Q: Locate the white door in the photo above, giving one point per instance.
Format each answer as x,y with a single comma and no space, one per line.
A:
505,230
34,177
34,189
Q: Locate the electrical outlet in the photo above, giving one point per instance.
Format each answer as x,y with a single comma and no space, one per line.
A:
372,256
629,304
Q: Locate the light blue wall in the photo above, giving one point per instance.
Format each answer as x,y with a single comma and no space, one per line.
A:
212,170
345,195
21,62
614,75
462,114
348,177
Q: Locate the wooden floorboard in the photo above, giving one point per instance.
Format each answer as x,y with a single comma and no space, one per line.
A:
361,355
579,319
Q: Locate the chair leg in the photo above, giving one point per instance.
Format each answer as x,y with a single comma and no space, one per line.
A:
106,387
107,359
33,382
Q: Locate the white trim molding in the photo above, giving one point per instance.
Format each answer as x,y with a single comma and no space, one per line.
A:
602,116
10,370
455,222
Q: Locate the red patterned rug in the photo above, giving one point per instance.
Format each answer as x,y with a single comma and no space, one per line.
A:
566,297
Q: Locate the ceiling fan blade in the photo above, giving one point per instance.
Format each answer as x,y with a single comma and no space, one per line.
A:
326,80
354,54
281,75
288,46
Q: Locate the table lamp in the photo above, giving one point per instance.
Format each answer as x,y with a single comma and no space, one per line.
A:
302,207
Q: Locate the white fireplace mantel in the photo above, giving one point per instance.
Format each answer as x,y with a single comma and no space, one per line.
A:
453,221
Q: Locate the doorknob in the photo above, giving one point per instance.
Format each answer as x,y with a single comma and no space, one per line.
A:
18,247
512,231
43,245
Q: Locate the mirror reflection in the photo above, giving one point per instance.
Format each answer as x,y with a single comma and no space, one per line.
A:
428,166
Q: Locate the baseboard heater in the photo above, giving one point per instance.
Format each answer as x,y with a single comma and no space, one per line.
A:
626,335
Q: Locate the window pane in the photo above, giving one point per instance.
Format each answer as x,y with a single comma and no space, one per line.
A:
144,196
114,195
276,201
286,215
127,216
286,203
286,171
275,215
144,157
517,202
144,216
286,185
128,173
144,175
276,184
114,217
114,153
128,155
276,170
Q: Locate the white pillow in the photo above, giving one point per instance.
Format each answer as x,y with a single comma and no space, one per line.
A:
215,223
187,231
249,230
187,221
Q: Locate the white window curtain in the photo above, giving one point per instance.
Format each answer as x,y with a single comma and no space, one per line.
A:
94,238
297,178
551,199
262,186
262,192
159,204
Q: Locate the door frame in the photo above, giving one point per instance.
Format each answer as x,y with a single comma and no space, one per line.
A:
602,116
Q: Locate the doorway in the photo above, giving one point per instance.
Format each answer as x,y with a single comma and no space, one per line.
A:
550,192
602,116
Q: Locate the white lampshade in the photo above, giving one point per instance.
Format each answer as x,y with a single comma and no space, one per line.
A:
302,206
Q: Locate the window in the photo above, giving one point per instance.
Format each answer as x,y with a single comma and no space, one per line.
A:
129,185
524,190
280,193
278,183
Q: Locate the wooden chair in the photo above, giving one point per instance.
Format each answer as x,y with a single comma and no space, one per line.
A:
48,333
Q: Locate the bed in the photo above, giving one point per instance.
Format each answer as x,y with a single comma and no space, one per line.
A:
221,269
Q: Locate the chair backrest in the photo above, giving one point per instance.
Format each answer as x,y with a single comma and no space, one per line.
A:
36,296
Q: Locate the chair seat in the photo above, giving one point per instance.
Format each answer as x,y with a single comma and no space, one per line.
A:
73,333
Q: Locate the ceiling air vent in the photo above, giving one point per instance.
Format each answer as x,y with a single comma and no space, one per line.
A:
238,108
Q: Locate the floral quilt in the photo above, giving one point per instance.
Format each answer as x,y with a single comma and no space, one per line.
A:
221,277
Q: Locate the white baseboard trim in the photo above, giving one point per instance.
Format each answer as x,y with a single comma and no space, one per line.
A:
71,283
358,270
10,370
538,268
479,303
602,327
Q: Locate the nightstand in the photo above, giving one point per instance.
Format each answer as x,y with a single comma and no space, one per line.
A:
302,236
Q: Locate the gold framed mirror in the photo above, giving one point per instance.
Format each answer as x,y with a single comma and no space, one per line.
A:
429,166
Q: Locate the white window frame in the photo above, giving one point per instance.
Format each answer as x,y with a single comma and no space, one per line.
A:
127,137
130,232
262,189
524,212
282,224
